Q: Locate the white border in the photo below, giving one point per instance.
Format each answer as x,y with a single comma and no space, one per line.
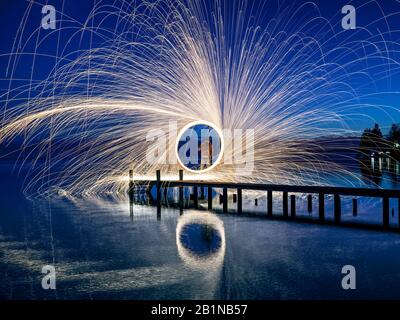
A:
192,124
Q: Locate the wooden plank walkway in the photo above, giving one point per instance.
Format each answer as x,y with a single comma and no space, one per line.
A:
321,191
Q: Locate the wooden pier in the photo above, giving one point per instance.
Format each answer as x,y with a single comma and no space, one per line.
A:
321,191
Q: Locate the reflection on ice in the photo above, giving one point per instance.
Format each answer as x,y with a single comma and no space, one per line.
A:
200,239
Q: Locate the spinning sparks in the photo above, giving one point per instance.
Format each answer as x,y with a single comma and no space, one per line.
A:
228,64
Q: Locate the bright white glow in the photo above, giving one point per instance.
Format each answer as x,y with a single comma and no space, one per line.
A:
220,155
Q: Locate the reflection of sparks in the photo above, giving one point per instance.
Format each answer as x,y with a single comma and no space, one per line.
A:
170,60
201,262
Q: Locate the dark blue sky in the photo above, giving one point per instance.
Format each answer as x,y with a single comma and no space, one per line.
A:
11,15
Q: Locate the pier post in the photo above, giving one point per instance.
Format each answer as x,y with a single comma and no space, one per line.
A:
309,203
181,191
158,185
130,192
337,208
355,207
196,197
209,196
202,197
130,188
239,202
398,211
148,192
234,198
285,204
293,206
269,205
130,180
225,200
165,192
321,206
256,202
385,208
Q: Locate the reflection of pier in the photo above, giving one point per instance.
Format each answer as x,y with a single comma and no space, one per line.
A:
321,191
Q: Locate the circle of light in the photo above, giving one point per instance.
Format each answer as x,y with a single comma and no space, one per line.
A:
192,124
216,258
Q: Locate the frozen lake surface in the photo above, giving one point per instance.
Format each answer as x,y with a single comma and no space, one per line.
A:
100,251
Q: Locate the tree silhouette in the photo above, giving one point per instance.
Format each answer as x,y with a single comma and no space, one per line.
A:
394,133
372,141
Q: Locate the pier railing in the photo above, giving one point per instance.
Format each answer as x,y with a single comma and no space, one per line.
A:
321,191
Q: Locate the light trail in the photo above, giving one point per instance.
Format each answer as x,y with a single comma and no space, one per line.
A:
188,61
